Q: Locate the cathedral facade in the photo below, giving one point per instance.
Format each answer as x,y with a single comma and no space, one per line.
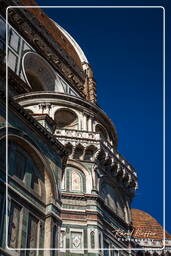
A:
65,188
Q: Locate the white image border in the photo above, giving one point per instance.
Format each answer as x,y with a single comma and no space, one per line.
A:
164,203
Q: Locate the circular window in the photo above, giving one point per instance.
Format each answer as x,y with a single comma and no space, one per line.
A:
38,73
65,117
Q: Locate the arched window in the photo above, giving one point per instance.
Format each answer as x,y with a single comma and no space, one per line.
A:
69,148
92,239
73,180
89,153
30,175
101,130
78,152
24,167
22,164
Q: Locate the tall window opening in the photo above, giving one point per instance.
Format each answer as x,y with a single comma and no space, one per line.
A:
14,225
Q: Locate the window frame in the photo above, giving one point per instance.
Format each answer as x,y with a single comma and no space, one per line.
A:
68,180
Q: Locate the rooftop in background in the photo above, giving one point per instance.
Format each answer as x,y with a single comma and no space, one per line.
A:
146,226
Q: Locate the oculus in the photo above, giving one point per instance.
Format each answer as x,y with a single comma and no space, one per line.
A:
66,118
40,76
38,73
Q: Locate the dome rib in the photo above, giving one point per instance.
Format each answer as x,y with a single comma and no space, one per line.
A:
76,46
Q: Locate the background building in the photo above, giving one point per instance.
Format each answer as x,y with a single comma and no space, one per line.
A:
69,187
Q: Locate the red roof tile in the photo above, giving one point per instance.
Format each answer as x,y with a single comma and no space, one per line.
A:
146,226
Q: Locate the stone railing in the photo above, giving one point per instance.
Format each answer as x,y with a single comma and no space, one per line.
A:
77,134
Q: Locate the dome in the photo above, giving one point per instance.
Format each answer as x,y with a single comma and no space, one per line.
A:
76,46
146,226
59,34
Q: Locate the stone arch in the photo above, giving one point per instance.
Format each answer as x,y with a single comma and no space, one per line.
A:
147,253
78,151
77,181
69,148
155,254
89,153
102,131
140,253
73,180
49,189
85,171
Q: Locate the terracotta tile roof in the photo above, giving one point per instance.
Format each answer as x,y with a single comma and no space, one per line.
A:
146,226
56,34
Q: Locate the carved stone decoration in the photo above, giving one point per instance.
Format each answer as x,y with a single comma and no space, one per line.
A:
92,239
76,240
62,238
76,181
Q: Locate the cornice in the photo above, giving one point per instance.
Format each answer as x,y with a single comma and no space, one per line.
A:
54,98
85,197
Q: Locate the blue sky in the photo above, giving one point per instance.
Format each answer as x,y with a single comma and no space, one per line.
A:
124,47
